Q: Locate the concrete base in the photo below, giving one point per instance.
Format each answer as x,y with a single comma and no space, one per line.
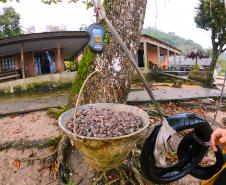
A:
43,82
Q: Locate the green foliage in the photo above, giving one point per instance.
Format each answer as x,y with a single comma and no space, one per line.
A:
88,3
211,15
222,62
55,112
179,42
4,1
81,74
195,67
71,65
9,23
208,51
70,182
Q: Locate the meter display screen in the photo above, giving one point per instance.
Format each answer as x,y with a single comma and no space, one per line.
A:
97,31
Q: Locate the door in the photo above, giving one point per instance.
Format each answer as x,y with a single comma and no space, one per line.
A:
44,62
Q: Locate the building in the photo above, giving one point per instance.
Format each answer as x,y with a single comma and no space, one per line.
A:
42,53
154,52
183,63
39,53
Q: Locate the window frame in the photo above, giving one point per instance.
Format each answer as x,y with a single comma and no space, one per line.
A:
8,63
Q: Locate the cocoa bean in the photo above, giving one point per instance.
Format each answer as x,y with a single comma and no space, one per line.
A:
104,123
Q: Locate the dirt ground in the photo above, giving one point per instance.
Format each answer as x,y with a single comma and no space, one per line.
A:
37,125
31,126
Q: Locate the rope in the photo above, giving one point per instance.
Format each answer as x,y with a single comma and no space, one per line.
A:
79,96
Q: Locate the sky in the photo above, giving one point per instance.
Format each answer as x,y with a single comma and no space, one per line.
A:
166,15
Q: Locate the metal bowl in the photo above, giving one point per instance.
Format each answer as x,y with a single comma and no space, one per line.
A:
106,153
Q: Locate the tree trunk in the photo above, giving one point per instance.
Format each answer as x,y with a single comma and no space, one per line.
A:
113,82
215,55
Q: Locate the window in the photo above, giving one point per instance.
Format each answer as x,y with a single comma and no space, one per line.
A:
8,63
162,58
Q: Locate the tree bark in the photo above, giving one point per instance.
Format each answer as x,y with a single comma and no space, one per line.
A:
113,82
215,55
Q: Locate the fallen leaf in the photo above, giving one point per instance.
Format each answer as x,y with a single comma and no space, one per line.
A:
55,168
17,163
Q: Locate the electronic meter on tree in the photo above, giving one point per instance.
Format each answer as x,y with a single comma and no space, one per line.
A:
96,33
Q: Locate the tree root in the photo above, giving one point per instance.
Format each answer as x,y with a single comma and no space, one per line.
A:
39,157
25,144
62,149
128,173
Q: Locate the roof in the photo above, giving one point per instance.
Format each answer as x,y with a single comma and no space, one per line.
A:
185,61
72,42
161,42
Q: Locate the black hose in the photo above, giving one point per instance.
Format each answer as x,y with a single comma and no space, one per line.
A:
186,164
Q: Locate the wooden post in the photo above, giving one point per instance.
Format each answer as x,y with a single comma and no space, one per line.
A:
158,57
146,67
22,60
168,58
59,62
174,59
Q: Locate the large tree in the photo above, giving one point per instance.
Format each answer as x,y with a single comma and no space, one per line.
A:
9,23
113,82
211,15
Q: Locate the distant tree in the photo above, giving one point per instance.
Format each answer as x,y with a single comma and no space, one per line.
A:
83,27
209,52
52,28
30,29
4,1
211,15
185,45
9,23
222,61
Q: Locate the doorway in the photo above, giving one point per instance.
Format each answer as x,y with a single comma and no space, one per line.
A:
140,58
44,62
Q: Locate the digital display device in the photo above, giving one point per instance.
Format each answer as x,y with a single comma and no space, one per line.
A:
96,33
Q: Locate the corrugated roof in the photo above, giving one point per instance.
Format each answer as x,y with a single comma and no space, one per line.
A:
42,36
71,42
